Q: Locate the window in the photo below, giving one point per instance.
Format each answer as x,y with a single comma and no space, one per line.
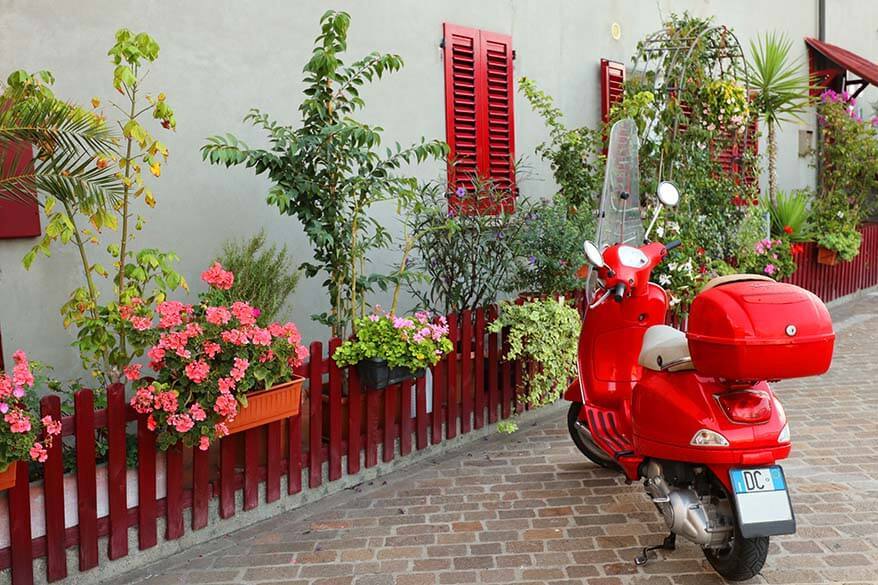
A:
479,119
18,219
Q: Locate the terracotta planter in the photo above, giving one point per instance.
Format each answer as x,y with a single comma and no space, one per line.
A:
7,477
826,256
375,374
277,403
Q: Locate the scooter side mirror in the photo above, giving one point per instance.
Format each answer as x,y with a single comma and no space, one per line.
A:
668,194
593,255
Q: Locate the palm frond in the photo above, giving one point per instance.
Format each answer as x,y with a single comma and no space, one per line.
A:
781,84
64,142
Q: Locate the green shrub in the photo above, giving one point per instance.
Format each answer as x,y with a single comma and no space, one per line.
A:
546,333
790,214
265,276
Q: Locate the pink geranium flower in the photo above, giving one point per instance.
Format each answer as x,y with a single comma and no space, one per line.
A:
132,372
39,453
217,315
217,277
203,443
197,371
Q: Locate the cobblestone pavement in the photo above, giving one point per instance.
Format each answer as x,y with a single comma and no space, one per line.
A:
530,509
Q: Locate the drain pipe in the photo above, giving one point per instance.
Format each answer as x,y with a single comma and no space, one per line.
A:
821,20
821,35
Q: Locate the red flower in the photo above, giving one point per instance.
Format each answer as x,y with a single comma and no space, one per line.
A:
788,230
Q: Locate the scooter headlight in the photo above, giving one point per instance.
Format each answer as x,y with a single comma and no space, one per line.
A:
784,435
708,438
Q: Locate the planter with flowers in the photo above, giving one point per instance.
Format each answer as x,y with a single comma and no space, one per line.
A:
388,349
23,434
216,370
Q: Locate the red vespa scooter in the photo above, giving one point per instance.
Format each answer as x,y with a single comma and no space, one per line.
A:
691,414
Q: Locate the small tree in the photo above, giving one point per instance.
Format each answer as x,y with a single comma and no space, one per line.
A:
782,91
328,172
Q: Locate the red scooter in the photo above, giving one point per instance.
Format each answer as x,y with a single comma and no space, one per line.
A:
691,414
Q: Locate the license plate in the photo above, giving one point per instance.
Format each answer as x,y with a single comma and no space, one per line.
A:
762,502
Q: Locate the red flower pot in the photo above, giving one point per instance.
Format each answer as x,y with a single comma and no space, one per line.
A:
7,477
826,256
276,403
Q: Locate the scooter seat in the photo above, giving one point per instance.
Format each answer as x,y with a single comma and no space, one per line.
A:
665,349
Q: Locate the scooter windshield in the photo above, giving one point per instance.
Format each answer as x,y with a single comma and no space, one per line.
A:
619,221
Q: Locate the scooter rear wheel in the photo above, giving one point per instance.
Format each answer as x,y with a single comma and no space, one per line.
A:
741,559
583,440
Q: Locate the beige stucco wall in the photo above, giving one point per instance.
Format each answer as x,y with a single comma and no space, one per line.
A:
219,58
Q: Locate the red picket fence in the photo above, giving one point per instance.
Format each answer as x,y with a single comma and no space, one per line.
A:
471,387
845,278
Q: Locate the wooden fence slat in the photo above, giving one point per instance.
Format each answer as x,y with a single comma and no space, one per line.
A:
506,383
315,394
479,383
227,477
372,406
466,371
405,418
439,371
251,467
390,410
335,434
21,545
354,423
451,394
116,472
493,370
147,530
86,484
421,409
272,463
174,499
200,488
294,454
53,496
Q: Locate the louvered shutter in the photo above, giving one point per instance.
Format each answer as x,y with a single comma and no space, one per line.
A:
612,86
18,219
479,117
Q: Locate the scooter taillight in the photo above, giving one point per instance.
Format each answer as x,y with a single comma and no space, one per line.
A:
746,406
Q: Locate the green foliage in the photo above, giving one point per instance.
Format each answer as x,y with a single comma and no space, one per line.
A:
845,240
146,275
544,332
328,171
66,140
413,343
550,248
574,154
683,129
264,275
848,174
461,261
790,215
780,83
781,88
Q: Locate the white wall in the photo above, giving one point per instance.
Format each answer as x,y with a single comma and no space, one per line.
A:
219,58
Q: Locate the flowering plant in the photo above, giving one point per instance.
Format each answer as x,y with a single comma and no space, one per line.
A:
769,256
412,343
206,358
23,433
725,106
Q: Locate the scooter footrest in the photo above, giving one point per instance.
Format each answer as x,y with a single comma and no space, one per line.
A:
605,429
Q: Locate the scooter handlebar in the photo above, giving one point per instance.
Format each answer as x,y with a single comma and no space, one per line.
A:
673,244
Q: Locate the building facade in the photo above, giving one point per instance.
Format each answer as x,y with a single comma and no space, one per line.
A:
220,58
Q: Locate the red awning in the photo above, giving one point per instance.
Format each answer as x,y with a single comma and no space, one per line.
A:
844,59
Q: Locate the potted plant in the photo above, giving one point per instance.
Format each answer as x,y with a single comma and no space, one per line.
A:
545,333
216,370
23,433
388,349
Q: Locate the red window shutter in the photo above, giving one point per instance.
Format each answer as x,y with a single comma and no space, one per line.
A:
18,219
612,86
479,117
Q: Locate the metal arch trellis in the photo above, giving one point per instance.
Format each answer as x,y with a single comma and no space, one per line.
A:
663,51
